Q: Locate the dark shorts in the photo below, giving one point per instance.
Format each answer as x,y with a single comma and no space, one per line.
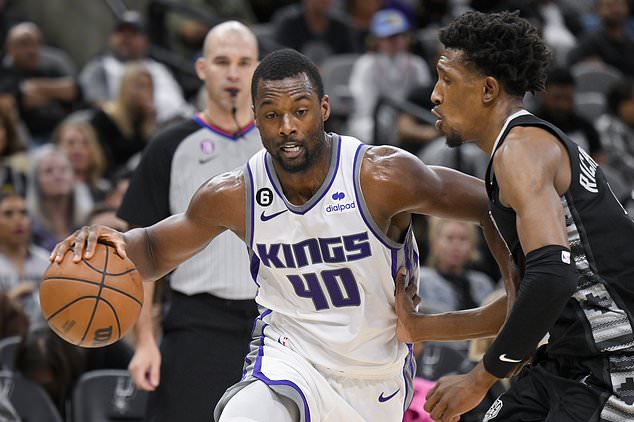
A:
540,396
205,339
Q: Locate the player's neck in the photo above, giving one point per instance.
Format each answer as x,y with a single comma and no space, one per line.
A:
497,118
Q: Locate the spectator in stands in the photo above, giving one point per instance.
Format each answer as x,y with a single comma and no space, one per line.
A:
616,129
391,72
102,76
415,134
610,43
106,215
13,320
45,93
447,283
361,13
22,264
11,178
56,204
314,29
557,22
78,140
118,186
9,17
557,105
191,32
125,125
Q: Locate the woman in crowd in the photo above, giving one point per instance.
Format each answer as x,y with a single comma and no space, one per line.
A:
125,125
78,140
22,264
54,199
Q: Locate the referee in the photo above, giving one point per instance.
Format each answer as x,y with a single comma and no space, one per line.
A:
207,328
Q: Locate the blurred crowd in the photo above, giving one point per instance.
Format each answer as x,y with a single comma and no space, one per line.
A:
83,91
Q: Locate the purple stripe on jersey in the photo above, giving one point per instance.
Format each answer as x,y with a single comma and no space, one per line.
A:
257,373
408,263
366,220
314,201
251,207
231,136
394,263
254,267
408,378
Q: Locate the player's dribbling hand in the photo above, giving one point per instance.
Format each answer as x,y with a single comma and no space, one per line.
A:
406,301
82,243
145,366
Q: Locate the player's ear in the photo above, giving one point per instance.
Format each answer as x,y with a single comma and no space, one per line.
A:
490,89
200,68
325,108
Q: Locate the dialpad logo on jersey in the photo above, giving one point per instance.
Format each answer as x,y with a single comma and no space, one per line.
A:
340,205
493,410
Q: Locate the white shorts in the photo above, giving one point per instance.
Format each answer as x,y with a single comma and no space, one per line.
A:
320,395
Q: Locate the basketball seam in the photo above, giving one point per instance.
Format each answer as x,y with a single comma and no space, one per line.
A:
103,283
95,283
54,314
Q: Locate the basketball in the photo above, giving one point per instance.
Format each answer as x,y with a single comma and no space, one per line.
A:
92,303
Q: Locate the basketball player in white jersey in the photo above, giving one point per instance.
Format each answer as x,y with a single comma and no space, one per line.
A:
326,220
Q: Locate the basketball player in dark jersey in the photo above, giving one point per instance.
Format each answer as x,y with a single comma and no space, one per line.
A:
569,236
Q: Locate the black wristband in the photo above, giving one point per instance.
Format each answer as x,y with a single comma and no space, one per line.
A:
549,281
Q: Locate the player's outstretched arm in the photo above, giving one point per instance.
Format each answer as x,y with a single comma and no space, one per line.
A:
156,250
413,327
395,184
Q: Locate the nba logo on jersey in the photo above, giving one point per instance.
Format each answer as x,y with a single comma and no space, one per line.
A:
339,204
207,146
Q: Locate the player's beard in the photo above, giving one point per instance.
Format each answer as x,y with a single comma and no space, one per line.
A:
310,156
454,139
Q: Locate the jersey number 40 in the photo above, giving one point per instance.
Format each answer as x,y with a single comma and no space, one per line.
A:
340,285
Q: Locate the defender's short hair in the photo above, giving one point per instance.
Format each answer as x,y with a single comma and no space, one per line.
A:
286,63
501,45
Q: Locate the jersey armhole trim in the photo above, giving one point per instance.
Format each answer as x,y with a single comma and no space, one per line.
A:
363,208
249,224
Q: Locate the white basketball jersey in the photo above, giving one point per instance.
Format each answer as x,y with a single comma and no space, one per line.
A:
325,270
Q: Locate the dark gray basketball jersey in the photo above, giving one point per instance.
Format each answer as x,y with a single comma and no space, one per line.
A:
598,319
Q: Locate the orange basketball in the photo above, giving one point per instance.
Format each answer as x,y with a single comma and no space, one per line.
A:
94,302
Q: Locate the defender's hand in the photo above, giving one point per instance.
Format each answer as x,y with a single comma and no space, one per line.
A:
406,302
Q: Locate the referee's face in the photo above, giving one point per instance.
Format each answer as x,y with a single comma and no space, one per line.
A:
226,68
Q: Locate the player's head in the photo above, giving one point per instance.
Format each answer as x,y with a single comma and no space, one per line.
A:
230,54
290,108
15,223
488,59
